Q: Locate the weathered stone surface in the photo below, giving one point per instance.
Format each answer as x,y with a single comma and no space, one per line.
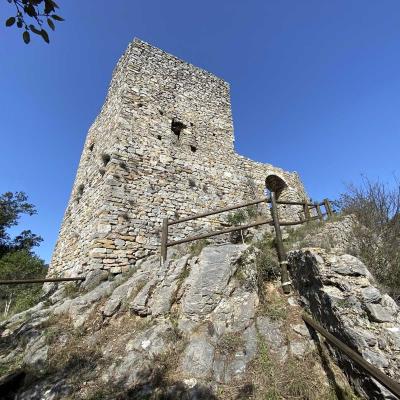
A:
377,313
198,358
361,316
111,307
371,294
349,265
208,279
93,278
36,354
271,331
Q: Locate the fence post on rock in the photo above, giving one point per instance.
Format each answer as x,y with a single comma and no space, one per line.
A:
164,240
279,246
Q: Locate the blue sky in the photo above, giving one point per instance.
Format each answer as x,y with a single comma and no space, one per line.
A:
315,87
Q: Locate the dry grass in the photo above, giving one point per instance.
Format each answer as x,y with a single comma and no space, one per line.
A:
229,343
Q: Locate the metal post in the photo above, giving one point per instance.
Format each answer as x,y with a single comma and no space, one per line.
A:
24,281
279,246
328,208
319,212
306,210
164,240
382,378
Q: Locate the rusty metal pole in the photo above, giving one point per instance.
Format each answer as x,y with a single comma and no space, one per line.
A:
328,208
24,281
306,210
319,212
377,374
164,240
279,246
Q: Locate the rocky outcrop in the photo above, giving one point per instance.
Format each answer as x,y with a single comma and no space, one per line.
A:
341,294
195,319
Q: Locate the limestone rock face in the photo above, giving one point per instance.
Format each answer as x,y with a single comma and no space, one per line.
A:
193,313
340,293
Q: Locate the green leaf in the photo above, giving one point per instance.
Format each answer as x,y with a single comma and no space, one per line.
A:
45,36
10,21
35,30
51,24
30,10
48,7
57,17
26,36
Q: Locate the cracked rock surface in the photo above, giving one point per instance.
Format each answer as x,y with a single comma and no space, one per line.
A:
341,294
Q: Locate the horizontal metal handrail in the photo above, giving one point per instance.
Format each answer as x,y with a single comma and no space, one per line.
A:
306,209
382,378
238,228
217,211
23,281
228,230
251,203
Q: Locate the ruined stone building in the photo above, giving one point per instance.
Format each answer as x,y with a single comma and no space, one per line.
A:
162,146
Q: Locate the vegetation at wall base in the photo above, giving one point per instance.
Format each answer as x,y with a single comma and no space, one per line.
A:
17,260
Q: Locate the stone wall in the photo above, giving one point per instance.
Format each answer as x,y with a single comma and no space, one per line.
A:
162,146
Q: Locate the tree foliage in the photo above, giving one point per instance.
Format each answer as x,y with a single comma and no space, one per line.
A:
32,16
17,260
377,208
20,264
12,206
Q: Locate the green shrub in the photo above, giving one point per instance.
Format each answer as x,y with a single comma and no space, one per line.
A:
197,246
377,235
20,264
267,259
237,217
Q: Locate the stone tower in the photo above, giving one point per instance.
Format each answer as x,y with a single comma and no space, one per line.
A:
162,146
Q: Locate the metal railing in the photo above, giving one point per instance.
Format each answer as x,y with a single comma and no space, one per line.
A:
377,374
307,207
23,281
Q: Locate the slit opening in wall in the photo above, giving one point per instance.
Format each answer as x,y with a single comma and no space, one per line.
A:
193,148
105,158
79,192
91,146
177,127
159,137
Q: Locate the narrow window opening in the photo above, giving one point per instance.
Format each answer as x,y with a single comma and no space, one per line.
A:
81,187
193,148
177,127
79,192
161,112
159,137
91,146
105,158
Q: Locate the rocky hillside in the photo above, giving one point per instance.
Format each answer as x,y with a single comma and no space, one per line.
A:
212,323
